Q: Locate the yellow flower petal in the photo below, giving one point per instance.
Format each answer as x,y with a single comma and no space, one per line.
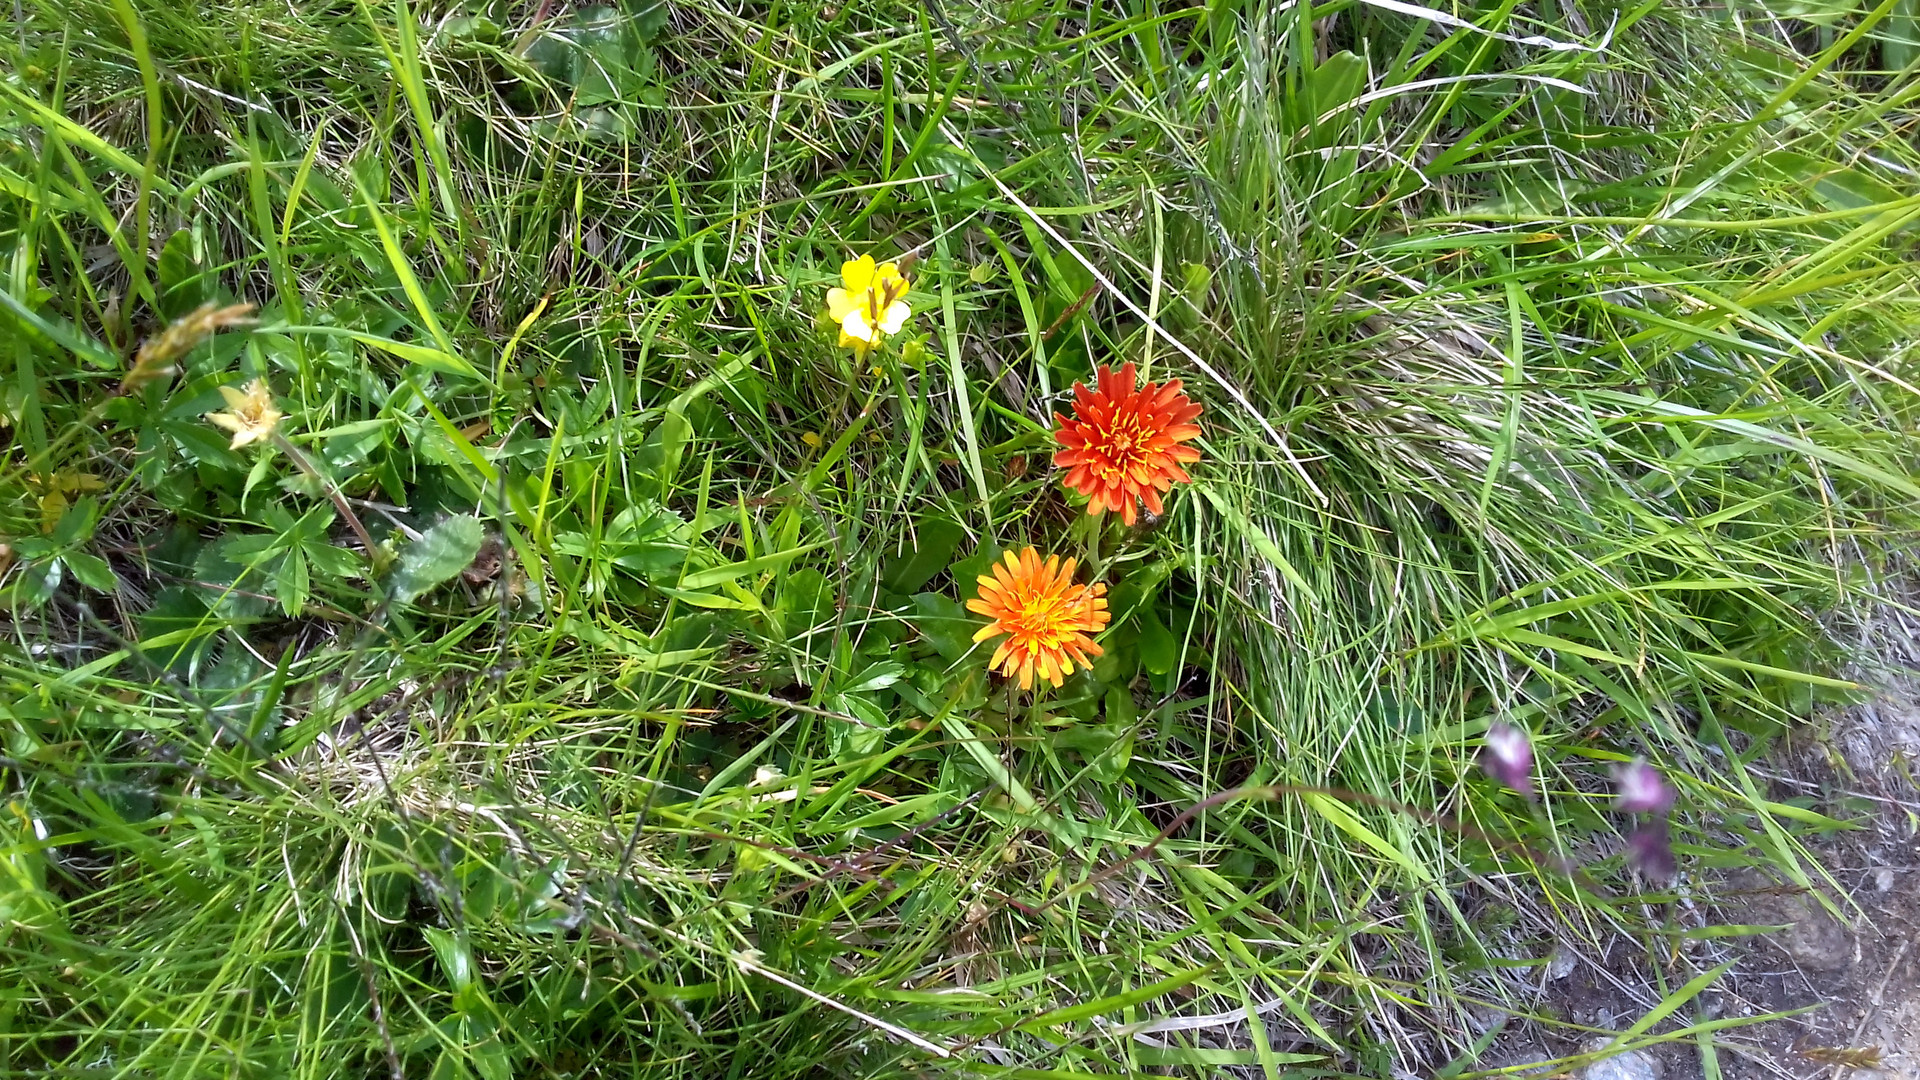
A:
858,274
251,414
839,302
246,435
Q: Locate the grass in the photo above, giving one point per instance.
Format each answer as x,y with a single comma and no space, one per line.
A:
1555,373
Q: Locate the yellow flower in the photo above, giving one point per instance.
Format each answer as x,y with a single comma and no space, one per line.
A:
872,305
250,414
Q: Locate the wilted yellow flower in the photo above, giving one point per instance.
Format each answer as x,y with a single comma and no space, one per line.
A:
250,414
872,305
54,491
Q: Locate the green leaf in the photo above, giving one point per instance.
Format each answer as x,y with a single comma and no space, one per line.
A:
333,561
967,572
1159,649
183,283
1673,1001
442,360
601,53
649,17
861,738
472,28
237,564
40,581
1350,823
177,631
91,571
701,579
934,543
57,330
1116,1002
876,677
440,553
945,624
712,601
291,583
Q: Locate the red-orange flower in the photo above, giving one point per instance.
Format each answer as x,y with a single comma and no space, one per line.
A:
1122,445
1045,616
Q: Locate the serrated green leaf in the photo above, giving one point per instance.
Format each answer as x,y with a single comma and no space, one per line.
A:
439,554
291,582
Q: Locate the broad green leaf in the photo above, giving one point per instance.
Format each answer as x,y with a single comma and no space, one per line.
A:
945,624
180,276
933,545
92,571
439,554
1159,649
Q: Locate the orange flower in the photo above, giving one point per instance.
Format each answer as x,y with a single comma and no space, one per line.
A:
1045,616
1123,444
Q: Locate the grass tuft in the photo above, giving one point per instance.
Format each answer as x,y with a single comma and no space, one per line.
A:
581,684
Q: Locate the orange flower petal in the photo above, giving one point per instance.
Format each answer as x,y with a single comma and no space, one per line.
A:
1041,616
1122,445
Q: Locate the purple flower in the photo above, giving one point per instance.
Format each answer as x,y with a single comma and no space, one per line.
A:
1642,790
1649,851
1508,757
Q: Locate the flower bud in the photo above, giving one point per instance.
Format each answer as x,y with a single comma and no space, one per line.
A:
1650,852
1508,757
1642,790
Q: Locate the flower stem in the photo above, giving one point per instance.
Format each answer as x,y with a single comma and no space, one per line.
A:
339,501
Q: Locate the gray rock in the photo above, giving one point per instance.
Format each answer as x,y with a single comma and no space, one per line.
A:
1562,964
1630,1065
1816,940
1813,939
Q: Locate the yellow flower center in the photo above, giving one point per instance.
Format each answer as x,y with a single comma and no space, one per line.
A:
1040,619
1121,444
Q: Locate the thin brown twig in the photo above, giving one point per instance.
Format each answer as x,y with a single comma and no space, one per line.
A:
339,501
1072,310
373,998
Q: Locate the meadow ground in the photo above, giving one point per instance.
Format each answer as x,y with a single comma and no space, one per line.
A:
554,659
